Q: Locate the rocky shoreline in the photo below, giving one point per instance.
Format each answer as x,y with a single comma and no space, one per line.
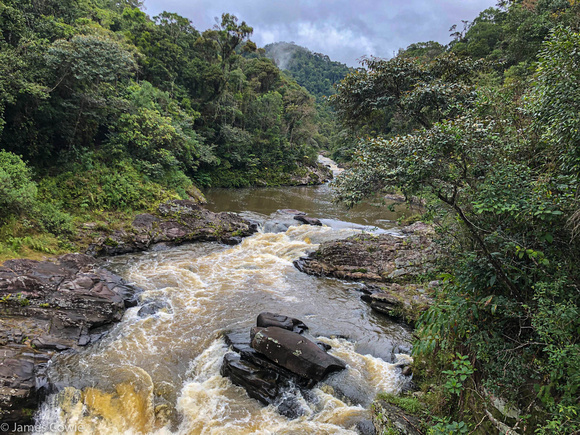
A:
174,223
395,270
66,303
49,307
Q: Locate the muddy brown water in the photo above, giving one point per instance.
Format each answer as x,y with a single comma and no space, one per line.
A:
160,373
315,201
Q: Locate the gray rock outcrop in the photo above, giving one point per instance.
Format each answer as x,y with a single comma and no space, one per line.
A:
47,307
393,267
174,223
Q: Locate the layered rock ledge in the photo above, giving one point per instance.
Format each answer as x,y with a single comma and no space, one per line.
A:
48,307
277,361
173,223
393,268
389,418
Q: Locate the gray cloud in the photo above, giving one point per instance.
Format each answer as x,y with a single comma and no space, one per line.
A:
344,30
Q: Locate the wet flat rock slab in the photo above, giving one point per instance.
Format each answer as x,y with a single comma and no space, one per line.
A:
174,223
393,266
277,361
382,258
48,307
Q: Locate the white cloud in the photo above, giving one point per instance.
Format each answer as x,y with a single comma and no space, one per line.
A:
345,30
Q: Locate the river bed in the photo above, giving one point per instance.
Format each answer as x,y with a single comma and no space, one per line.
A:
159,373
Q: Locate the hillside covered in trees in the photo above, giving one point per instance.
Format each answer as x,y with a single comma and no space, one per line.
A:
486,129
105,111
315,71
103,108
319,75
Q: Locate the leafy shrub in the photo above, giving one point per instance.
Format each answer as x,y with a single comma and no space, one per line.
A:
447,427
54,220
17,190
462,369
118,187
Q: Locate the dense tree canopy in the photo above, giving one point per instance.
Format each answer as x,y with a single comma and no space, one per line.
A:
105,109
493,145
81,78
315,71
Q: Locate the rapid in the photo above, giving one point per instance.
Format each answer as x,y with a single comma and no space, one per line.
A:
159,372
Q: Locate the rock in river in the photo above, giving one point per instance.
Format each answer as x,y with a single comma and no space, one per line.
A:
393,266
295,352
278,363
48,307
175,222
382,258
308,220
266,319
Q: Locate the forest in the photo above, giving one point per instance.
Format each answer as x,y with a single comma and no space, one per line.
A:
486,130
105,110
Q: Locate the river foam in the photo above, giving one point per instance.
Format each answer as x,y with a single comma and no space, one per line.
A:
160,373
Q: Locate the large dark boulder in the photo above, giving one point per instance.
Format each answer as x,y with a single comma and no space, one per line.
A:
308,220
267,319
48,307
174,223
277,364
260,383
263,380
295,352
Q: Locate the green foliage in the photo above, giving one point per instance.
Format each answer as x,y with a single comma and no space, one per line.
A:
554,103
114,111
53,220
424,50
462,370
67,96
90,59
315,71
447,427
402,94
153,142
104,187
17,190
505,171
407,403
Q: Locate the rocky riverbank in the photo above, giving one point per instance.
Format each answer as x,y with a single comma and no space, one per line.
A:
173,223
395,270
311,175
48,307
71,301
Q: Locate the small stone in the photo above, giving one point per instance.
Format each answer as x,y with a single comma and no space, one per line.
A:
308,220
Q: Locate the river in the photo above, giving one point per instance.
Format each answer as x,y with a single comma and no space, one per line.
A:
160,373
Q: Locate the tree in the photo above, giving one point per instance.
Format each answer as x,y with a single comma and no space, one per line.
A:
405,93
505,177
554,103
228,35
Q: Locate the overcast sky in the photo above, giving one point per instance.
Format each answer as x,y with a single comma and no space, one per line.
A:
345,30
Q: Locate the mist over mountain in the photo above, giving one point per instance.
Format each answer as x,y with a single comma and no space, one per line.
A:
315,71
